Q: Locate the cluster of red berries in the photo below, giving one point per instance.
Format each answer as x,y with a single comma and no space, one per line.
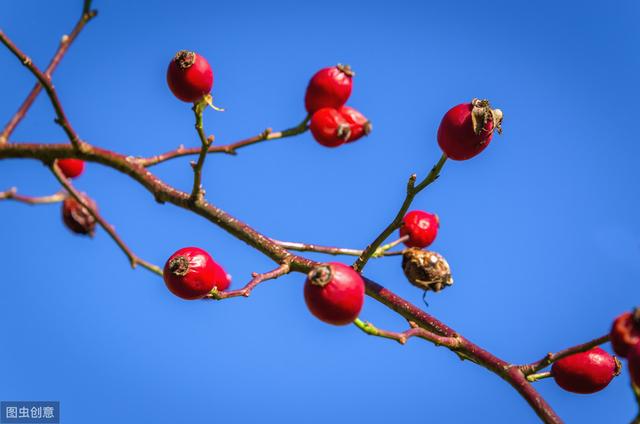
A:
332,122
191,273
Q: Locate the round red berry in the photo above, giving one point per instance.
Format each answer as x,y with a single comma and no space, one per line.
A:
421,227
329,87
329,127
334,293
585,372
625,332
634,364
76,217
358,123
191,273
71,168
466,129
189,76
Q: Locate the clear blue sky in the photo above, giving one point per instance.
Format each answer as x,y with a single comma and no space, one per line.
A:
541,229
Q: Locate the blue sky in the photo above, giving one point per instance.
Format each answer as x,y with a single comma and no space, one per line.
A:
541,229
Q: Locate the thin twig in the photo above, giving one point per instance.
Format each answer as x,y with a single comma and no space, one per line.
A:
329,250
412,191
12,194
67,40
133,258
256,279
230,149
415,331
45,81
197,192
550,358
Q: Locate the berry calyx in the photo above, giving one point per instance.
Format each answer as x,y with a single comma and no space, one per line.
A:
625,332
634,364
76,217
358,123
426,270
467,129
191,273
329,87
586,372
329,127
189,76
334,293
421,227
71,168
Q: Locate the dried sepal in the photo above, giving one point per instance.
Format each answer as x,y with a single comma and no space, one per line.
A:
482,115
78,218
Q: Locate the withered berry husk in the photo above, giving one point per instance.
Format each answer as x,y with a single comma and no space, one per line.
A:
77,218
426,270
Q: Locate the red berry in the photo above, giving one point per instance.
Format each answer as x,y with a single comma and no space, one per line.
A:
625,332
585,372
77,218
358,124
634,364
189,76
329,87
421,227
329,127
334,293
71,168
466,129
190,273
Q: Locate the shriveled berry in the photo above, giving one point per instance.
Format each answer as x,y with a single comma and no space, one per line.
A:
421,227
76,217
191,273
189,76
586,372
71,168
329,127
426,270
358,123
334,293
625,332
466,129
634,364
329,87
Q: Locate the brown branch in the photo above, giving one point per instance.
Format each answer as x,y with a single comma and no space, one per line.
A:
330,250
65,43
165,193
256,279
550,358
412,191
133,258
230,149
12,194
45,81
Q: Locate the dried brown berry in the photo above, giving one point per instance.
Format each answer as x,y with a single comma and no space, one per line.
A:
77,218
426,270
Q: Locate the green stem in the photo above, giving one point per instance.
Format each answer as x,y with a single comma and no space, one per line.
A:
412,191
